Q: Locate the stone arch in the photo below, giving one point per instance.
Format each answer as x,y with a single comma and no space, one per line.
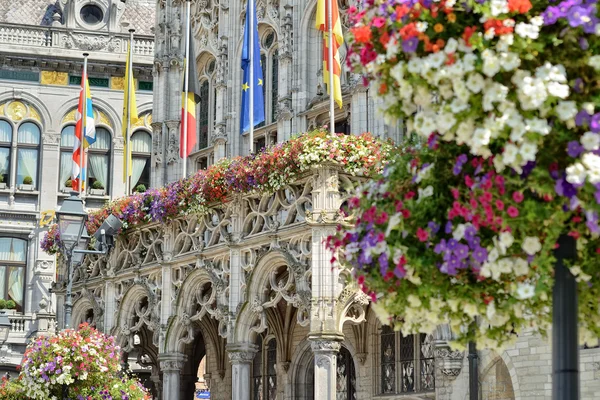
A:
302,369
45,116
180,331
134,306
496,381
81,313
253,309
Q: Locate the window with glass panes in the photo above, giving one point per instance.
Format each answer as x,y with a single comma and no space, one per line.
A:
141,150
25,147
5,146
13,262
269,61
264,370
406,364
98,159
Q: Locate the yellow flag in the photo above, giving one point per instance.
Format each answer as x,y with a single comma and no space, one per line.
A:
132,115
322,24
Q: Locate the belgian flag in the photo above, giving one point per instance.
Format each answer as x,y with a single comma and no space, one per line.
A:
193,98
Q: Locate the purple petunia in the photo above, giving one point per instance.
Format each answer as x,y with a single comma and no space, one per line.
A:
410,45
480,255
574,149
551,15
582,118
595,123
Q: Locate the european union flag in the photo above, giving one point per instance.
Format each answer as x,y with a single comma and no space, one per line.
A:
247,63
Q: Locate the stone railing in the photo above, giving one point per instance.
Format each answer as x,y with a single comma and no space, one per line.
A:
44,37
20,324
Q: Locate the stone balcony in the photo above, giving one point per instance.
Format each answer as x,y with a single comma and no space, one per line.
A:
27,40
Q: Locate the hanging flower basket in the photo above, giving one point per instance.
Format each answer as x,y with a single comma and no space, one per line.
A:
506,95
84,361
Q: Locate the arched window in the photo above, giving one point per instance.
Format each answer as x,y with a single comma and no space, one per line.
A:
141,148
264,370
269,60
5,145
207,108
28,143
406,364
67,139
99,162
13,261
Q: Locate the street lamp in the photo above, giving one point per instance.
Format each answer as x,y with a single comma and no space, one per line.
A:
75,241
71,223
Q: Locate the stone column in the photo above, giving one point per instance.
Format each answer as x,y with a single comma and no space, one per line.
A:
325,350
241,357
171,364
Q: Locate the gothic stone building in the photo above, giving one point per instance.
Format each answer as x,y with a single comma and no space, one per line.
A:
243,298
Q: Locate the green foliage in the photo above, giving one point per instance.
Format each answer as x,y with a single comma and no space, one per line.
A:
141,188
27,180
97,185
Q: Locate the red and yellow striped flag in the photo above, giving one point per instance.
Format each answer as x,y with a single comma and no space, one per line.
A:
338,41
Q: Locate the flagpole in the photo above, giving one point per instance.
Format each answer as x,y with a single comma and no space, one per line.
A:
186,87
251,105
331,85
128,138
83,121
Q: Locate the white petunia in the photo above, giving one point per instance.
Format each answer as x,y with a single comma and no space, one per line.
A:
531,245
504,42
397,72
590,141
498,7
425,193
481,137
528,151
592,163
525,291
451,45
464,132
445,122
392,48
558,89
459,232
527,30
507,239
517,133
509,155
594,61
437,59
475,82
510,61
422,26
576,174
537,21
491,63
458,105
566,110
520,267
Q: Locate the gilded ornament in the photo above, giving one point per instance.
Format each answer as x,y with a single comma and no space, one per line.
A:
69,117
33,113
55,78
104,118
2,109
117,83
16,111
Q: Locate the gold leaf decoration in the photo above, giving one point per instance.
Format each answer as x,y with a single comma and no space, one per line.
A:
16,111
55,78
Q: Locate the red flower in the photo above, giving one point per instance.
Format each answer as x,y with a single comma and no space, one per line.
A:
405,213
422,234
469,31
512,212
362,34
520,6
469,182
499,205
409,195
401,11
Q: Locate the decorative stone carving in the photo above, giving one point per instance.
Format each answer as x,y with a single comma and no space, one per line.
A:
325,346
219,135
171,365
286,44
156,142
222,65
51,139
173,142
205,21
241,356
450,362
284,109
43,267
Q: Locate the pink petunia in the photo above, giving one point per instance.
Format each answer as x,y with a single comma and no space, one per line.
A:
422,234
512,212
518,197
